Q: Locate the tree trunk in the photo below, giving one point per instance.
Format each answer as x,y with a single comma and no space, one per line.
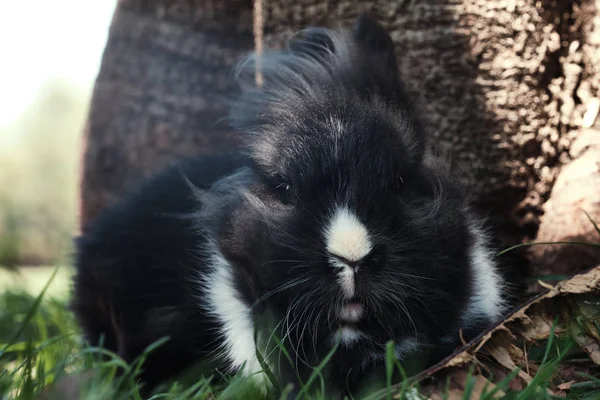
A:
162,90
504,86
496,81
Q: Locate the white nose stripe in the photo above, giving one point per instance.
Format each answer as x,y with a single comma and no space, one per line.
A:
346,280
346,236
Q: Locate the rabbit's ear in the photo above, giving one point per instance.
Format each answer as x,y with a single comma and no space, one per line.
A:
312,42
374,39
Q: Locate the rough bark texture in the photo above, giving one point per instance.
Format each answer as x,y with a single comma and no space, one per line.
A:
575,193
577,188
162,90
496,81
505,86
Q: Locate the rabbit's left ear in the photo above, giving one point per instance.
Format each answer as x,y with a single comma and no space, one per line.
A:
312,42
374,39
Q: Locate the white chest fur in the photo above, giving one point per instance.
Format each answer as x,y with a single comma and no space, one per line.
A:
487,299
224,304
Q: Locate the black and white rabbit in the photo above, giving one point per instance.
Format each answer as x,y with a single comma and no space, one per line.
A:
331,226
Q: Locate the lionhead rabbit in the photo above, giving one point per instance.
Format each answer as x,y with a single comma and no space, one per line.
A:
329,230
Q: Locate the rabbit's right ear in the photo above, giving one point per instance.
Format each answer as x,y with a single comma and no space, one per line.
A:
375,40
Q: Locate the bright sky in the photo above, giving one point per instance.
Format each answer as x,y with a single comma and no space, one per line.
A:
45,39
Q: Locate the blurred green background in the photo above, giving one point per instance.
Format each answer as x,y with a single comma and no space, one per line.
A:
51,53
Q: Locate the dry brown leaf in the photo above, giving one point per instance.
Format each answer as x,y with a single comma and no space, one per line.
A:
545,284
583,283
460,359
502,356
537,327
565,385
458,380
591,346
533,321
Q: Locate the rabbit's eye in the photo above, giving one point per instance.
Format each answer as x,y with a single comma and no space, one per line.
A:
283,191
399,183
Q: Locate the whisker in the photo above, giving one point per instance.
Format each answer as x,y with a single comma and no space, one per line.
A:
284,286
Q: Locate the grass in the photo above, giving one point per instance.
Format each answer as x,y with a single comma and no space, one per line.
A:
33,280
43,356
40,346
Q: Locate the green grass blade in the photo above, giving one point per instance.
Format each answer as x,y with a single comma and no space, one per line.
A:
33,309
318,370
502,385
263,364
469,385
592,221
545,243
390,357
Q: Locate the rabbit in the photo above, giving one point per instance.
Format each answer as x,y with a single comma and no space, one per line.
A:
331,232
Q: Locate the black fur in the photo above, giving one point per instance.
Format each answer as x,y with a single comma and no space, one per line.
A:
135,264
331,125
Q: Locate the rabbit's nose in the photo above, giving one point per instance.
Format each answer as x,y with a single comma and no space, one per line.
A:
355,266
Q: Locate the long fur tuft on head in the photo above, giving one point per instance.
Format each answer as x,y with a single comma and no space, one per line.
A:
317,62
324,69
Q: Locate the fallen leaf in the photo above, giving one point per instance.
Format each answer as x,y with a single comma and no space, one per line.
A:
458,383
502,356
565,385
532,321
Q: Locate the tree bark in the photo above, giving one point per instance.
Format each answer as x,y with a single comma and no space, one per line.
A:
504,85
162,90
496,82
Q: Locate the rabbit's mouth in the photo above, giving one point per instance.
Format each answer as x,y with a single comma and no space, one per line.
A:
351,312
349,316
